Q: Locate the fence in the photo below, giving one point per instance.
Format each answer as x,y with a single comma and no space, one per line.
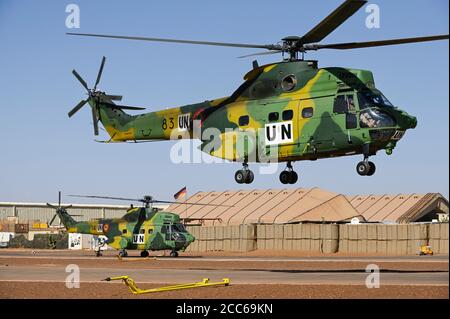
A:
398,239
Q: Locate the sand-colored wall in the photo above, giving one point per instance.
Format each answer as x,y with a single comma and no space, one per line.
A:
405,239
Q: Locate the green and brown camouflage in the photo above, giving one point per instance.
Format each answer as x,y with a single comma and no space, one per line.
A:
304,111
139,229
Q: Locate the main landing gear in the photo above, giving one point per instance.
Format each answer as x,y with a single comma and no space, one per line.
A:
244,175
288,176
144,253
123,253
365,167
173,253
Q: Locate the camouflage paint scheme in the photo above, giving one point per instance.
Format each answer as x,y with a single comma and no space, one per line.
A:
325,134
155,226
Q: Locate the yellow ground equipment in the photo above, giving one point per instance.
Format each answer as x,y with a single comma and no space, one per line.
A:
425,250
135,290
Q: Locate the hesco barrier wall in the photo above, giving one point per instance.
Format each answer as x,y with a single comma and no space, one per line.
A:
404,239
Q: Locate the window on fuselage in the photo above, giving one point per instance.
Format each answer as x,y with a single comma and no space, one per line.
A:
307,112
274,116
244,120
124,231
344,103
142,231
287,115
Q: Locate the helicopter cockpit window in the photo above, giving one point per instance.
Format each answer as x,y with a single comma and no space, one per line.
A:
244,120
289,82
178,228
287,115
344,104
373,118
373,98
274,116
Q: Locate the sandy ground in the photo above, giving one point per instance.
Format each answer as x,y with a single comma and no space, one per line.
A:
24,274
118,290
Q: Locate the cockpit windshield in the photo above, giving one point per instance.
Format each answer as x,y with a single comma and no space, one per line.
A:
373,118
179,228
372,98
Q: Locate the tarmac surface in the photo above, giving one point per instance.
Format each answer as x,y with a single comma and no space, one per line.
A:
24,274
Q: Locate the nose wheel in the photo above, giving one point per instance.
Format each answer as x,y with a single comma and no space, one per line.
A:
244,175
288,176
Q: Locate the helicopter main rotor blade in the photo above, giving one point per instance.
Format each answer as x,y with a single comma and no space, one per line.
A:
358,45
100,71
108,197
332,21
187,203
50,205
123,107
83,82
260,53
77,108
224,44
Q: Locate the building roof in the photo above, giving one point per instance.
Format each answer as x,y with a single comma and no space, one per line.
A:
305,205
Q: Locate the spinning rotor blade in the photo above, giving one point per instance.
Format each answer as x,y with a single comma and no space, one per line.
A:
100,71
224,44
358,45
83,83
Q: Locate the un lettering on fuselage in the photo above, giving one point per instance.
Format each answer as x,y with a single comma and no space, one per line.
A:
279,133
184,122
138,238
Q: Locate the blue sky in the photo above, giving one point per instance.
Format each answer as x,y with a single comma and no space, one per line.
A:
42,151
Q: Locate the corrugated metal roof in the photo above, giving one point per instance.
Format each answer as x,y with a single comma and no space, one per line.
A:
301,205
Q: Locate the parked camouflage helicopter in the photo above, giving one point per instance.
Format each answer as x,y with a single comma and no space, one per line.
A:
141,228
301,111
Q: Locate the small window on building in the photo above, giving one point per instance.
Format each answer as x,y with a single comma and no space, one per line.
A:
307,112
124,231
289,82
287,115
244,120
274,116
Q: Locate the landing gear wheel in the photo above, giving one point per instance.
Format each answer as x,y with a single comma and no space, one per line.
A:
240,176
372,169
293,178
174,254
363,168
250,177
144,253
123,253
285,177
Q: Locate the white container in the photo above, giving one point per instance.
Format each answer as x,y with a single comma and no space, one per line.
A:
5,237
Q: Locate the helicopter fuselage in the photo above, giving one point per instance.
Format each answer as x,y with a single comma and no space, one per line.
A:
288,111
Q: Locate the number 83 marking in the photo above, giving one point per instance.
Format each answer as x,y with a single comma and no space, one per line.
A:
171,124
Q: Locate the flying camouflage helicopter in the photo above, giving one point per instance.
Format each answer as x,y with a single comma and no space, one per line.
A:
297,110
141,228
